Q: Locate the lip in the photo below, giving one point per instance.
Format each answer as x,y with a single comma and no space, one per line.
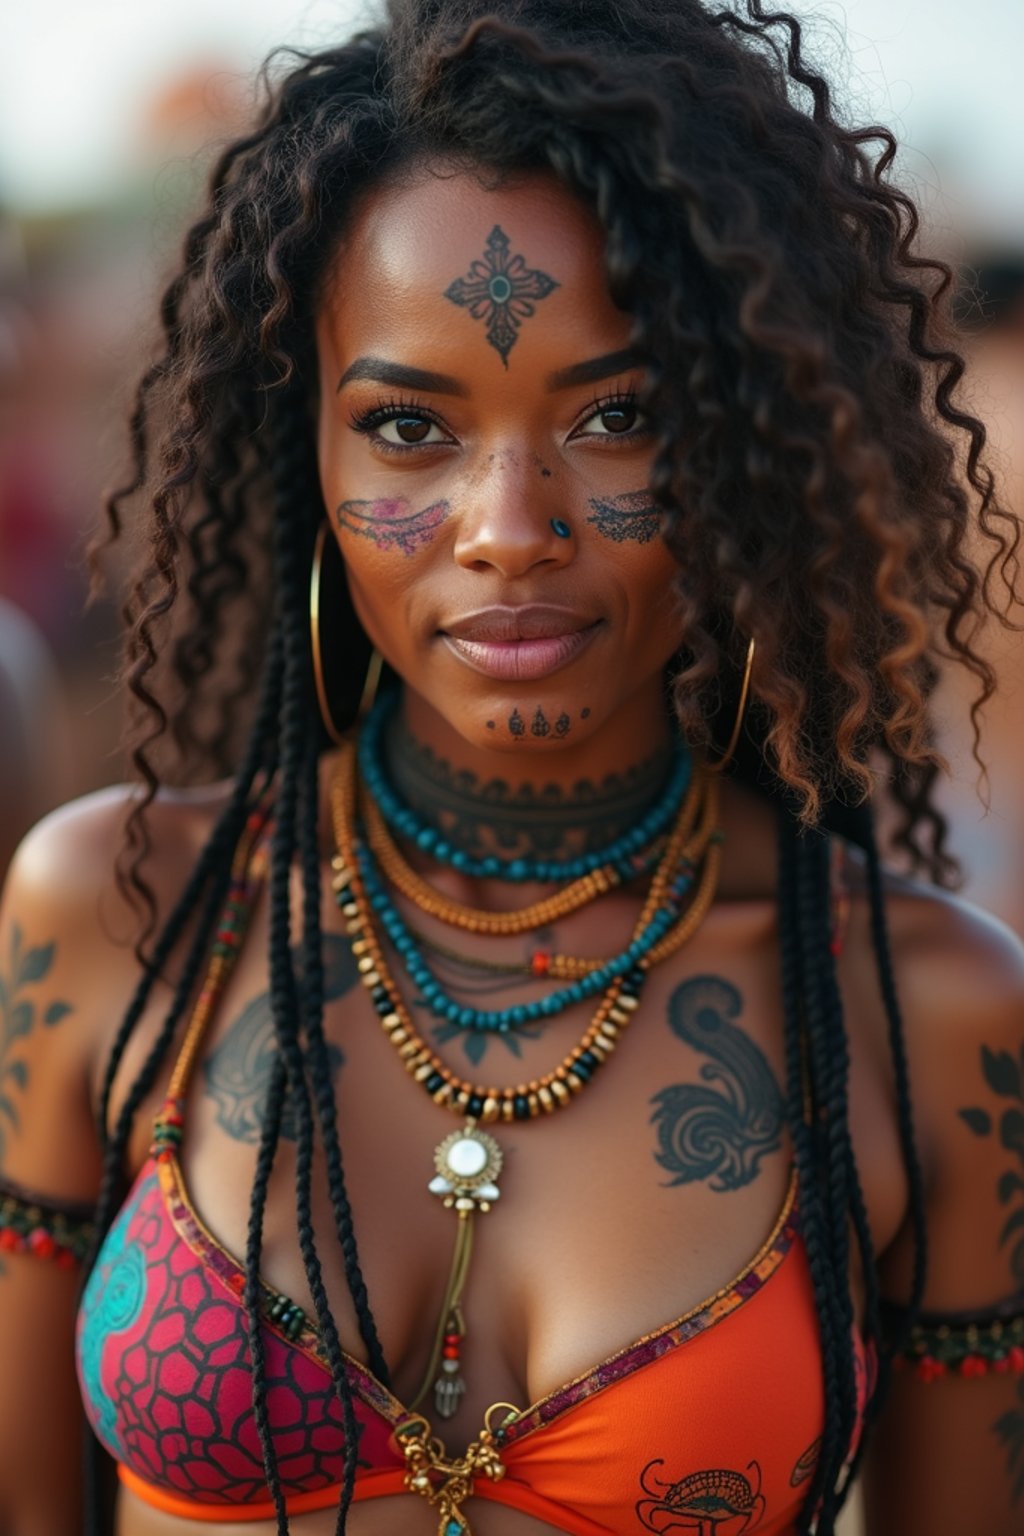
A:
520,644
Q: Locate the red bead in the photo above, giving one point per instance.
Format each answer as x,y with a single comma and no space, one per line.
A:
1016,1359
41,1243
973,1365
929,1369
540,962
10,1241
450,1353
1000,1366
65,1259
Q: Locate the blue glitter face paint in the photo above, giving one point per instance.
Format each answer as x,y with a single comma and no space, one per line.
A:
561,529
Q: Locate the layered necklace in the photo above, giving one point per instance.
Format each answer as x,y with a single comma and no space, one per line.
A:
674,847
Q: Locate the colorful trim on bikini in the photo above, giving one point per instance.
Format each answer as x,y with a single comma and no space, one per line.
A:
31,1224
653,1345
217,1261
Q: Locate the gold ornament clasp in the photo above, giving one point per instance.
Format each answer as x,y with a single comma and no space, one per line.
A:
446,1482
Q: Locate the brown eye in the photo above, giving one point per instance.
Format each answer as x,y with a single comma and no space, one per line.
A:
619,418
412,429
409,431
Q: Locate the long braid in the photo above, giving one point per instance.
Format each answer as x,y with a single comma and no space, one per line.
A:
323,1090
312,995
905,1114
298,765
217,851
831,1064
270,1134
801,1107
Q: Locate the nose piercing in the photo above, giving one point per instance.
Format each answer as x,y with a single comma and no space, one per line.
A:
561,529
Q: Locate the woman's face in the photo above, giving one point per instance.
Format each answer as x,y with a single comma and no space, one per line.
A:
485,465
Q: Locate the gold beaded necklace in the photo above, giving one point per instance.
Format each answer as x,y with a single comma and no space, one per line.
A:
468,1161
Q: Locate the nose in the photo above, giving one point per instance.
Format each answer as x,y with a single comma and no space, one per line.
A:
511,521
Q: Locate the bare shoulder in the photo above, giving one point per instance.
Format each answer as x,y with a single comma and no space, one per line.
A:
960,980
68,969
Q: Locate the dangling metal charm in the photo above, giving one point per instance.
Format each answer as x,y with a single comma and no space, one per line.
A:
468,1163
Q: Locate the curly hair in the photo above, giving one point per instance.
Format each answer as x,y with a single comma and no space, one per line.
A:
822,491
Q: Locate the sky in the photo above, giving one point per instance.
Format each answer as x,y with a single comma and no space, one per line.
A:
75,77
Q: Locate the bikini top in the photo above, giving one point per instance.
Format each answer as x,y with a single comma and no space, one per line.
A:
712,1417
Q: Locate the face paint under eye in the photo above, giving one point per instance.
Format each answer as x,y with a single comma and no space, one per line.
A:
389,524
632,518
500,289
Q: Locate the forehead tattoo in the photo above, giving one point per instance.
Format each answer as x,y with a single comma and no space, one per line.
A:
500,290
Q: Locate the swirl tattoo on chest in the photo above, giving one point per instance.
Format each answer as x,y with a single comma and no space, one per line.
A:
717,1134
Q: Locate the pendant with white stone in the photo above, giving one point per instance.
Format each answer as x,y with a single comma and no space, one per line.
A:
468,1163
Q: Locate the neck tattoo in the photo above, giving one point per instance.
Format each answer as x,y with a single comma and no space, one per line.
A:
483,816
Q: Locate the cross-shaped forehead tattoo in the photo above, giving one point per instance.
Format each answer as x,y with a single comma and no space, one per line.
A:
500,289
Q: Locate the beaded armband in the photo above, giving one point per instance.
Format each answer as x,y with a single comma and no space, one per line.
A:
29,1223
965,1344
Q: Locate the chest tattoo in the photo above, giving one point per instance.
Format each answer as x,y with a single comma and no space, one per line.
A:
717,1131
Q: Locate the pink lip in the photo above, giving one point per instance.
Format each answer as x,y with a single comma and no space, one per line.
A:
520,661
528,621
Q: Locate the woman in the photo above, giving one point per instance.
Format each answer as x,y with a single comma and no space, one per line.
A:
609,374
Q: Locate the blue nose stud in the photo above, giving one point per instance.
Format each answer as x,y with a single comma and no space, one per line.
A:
561,529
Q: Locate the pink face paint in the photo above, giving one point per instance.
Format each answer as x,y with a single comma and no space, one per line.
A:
389,524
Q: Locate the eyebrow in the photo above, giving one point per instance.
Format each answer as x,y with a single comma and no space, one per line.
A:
401,376
595,369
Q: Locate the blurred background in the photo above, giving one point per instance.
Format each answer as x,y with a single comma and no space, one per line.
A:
109,114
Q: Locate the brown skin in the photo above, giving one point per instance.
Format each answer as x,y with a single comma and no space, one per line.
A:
607,1228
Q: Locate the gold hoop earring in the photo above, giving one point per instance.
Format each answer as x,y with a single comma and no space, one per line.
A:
727,756
373,670
315,573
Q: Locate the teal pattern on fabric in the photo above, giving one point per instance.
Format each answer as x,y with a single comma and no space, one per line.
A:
111,1304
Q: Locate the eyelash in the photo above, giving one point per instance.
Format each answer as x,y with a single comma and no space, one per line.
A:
368,422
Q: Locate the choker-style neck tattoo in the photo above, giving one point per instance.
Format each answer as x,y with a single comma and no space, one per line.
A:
501,290
484,816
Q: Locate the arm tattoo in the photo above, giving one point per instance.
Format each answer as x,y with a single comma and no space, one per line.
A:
717,1134
501,290
237,1073
20,1013
632,518
1004,1075
1010,1429
389,524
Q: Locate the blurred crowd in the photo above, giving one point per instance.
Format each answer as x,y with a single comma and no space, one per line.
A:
77,297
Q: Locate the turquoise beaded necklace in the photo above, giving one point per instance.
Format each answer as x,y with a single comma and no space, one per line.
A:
504,1020
620,853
